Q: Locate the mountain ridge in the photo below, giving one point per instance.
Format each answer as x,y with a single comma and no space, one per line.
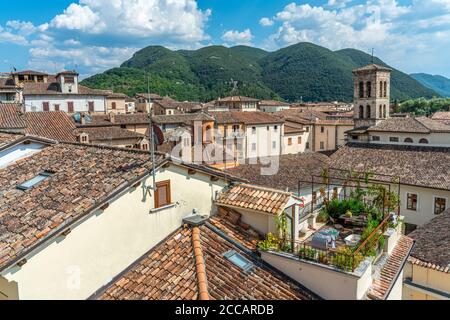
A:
300,72
438,83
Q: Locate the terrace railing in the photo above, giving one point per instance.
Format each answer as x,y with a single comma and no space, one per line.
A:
342,260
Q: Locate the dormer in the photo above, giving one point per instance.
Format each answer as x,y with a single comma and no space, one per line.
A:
68,81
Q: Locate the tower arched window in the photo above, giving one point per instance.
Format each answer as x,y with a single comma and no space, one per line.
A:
409,140
423,141
368,112
369,89
385,89
384,111
361,112
381,89
380,111
361,89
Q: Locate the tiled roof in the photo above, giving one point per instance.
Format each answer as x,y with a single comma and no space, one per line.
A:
432,248
301,116
11,116
152,96
83,178
251,197
32,72
291,169
247,118
372,67
168,272
441,116
109,133
118,95
182,118
54,125
236,99
292,130
410,125
391,270
418,166
53,88
6,138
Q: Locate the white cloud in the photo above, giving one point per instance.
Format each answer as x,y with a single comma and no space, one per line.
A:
99,34
266,22
403,35
236,37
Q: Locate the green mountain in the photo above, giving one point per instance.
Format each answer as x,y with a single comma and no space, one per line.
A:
302,71
437,83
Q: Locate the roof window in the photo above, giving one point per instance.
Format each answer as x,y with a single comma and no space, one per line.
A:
32,182
239,261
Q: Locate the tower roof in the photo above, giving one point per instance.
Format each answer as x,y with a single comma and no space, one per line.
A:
372,67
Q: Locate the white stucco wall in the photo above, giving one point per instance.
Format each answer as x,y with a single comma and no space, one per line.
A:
263,139
434,139
327,283
80,102
107,242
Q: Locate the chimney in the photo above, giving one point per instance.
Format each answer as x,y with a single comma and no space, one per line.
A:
82,119
112,117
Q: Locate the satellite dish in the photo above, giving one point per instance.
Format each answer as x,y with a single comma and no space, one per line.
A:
158,135
77,117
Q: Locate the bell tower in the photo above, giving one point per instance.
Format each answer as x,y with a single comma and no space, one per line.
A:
372,86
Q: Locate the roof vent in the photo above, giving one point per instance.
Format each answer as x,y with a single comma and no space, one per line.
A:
195,220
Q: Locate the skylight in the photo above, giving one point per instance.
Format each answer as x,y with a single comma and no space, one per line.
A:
239,260
18,152
32,182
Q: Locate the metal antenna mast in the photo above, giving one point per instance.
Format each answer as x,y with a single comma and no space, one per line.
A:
152,137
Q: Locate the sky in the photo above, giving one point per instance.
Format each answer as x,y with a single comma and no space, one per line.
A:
95,35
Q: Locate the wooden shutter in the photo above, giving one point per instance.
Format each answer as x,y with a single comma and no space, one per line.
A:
113,105
91,106
56,107
46,106
70,107
162,194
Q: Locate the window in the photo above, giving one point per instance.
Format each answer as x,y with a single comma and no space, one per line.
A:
423,141
368,112
299,140
236,128
91,106
322,145
253,146
361,89
393,139
113,105
369,89
70,107
45,106
162,194
381,90
322,129
275,128
380,111
440,205
268,128
289,141
361,112
376,138
32,182
69,79
385,89
409,140
274,145
384,111
307,129
411,203
307,145
355,138
239,261
83,138
253,130
335,193
56,106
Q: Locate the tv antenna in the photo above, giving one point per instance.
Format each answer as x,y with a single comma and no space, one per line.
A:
373,57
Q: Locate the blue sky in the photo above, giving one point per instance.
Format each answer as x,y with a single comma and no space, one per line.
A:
95,35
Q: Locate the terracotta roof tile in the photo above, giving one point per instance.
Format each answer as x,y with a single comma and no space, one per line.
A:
410,125
11,116
109,133
432,244
83,177
54,125
250,197
418,166
391,269
175,276
248,118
